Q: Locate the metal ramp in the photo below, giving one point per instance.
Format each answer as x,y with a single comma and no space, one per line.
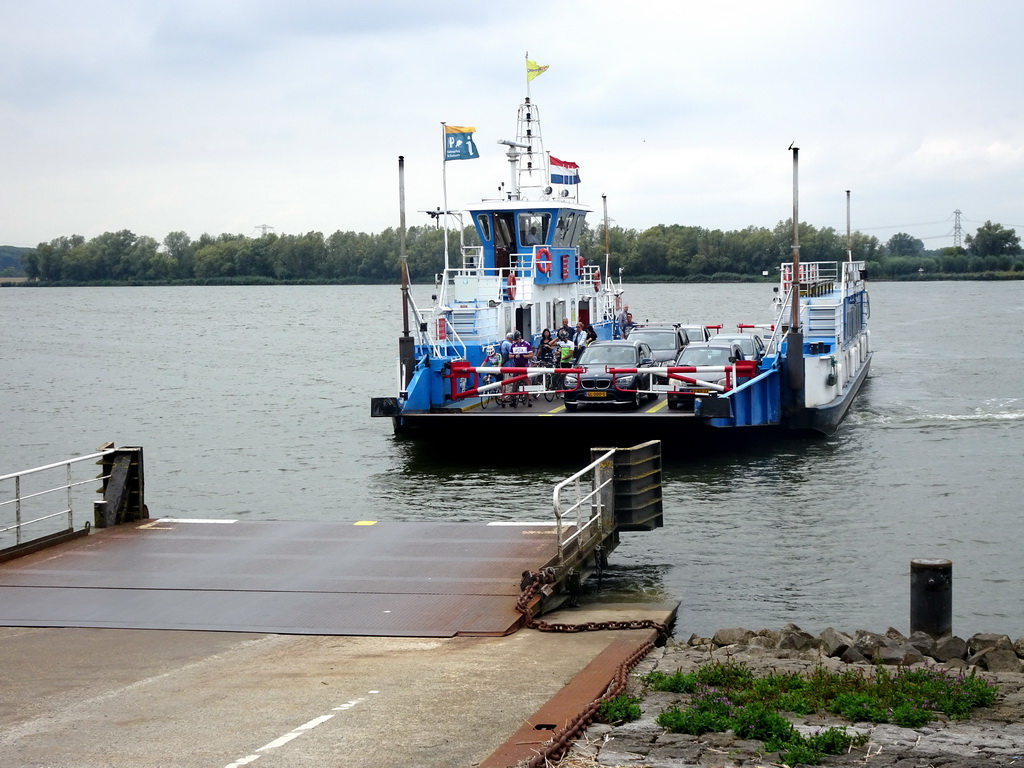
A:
389,579
404,579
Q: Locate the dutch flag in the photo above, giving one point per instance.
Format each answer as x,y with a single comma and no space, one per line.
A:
564,172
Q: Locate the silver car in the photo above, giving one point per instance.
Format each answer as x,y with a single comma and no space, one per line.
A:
718,353
751,344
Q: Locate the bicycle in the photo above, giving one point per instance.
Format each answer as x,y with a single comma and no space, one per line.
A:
490,396
547,380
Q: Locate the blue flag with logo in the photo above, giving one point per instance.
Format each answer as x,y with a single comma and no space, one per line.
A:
459,144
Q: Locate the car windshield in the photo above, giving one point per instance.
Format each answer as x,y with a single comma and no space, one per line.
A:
695,334
656,339
703,356
608,356
746,344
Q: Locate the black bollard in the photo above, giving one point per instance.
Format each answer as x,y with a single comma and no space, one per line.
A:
931,597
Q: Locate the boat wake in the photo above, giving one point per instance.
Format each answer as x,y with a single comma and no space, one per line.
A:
995,412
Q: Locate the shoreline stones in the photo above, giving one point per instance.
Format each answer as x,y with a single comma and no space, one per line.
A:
994,736
990,652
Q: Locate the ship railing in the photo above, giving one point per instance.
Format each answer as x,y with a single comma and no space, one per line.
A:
815,278
782,319
854,275
472,257
437,333
40,502
487,380
691,375
469,381
583,514
492,283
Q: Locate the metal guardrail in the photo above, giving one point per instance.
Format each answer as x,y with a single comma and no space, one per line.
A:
34,499
584,499
18,502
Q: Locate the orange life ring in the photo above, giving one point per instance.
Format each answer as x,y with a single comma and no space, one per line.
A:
597,279
543,260
511,285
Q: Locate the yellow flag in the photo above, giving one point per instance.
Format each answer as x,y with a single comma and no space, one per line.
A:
533,69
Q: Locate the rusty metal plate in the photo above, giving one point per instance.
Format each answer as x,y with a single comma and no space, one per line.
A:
404,579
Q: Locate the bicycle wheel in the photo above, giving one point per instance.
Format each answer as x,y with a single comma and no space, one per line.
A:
549,387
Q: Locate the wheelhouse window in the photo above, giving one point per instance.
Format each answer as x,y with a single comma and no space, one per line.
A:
567,231
483,222
533,228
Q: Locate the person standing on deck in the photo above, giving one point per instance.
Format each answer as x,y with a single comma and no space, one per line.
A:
506,349
620,322
546,348
629,326
579,340
563,352
522,352
566,328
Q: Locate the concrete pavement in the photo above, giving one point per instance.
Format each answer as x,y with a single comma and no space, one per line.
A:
109,697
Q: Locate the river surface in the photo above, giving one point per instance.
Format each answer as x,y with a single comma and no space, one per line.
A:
253,403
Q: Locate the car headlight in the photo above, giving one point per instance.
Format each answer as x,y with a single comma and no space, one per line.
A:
626,382
571,382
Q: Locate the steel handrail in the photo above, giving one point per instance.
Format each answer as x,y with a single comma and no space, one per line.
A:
68,486
593,498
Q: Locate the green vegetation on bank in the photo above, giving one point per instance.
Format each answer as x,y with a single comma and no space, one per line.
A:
665,253
728,697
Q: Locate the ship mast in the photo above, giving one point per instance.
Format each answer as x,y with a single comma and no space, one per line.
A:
795,343
526,156
849,236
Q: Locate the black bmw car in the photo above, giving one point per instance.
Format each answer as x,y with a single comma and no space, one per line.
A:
597,386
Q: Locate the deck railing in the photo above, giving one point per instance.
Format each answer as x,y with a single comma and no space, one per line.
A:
54,499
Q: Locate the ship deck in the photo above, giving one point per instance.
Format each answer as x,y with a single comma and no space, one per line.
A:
604,424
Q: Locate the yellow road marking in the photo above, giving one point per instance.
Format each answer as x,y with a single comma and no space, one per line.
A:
657,406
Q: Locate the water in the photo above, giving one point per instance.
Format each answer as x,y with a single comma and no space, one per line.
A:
253,402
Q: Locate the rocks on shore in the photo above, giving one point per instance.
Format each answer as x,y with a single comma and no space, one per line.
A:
994,736
990,652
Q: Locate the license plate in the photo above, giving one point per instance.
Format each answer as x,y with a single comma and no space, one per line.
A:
700,391
597,394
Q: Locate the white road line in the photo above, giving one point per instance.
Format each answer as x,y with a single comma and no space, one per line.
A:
294,734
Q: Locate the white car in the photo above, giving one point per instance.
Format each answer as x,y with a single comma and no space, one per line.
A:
717,353
751,344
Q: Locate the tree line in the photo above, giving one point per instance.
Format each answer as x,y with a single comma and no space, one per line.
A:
663,252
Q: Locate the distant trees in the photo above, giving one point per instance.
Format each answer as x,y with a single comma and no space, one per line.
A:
993,248
663,252
902,244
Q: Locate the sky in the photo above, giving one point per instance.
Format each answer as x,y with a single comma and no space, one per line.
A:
235,115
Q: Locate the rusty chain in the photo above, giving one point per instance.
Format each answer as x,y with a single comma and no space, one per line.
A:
532,583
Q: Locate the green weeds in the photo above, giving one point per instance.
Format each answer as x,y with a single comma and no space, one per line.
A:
619,709
728,697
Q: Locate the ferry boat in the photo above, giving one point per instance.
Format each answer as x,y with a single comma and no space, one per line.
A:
527,274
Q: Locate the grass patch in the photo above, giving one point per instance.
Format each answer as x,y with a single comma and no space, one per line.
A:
727,696
619,709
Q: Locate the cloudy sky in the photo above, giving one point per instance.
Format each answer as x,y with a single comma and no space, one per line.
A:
225,115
